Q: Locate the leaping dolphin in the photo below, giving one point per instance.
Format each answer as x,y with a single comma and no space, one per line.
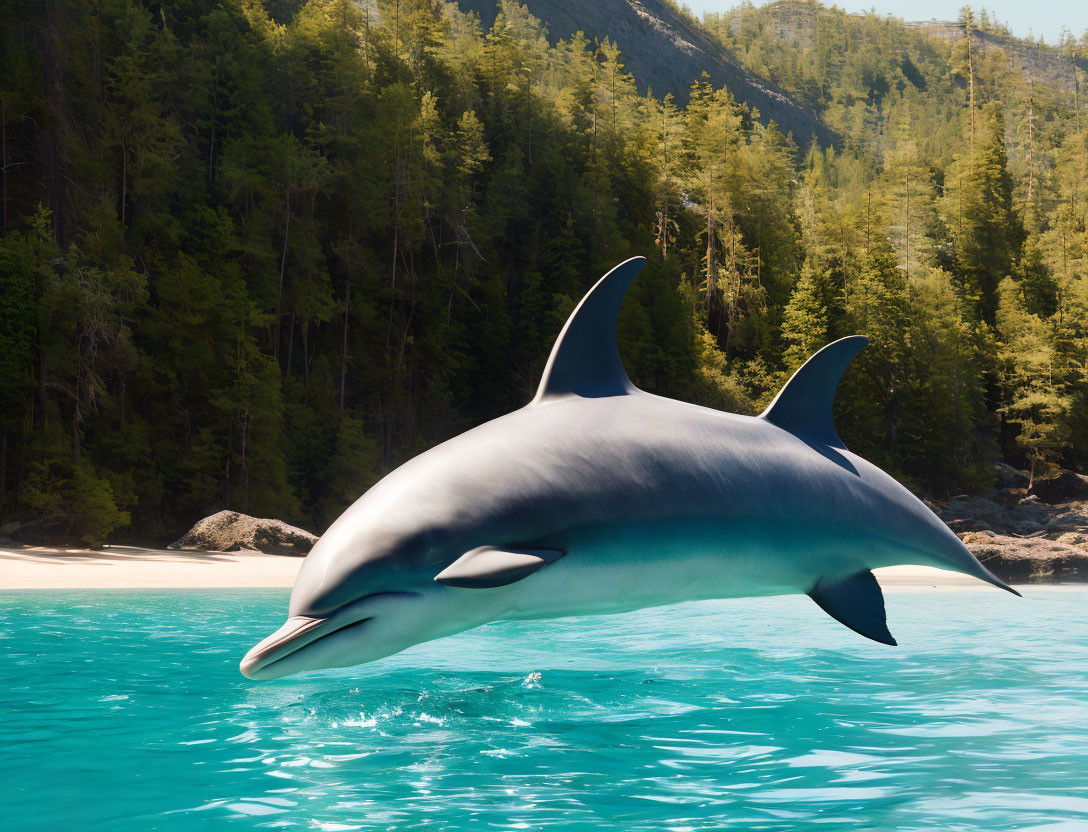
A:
597,497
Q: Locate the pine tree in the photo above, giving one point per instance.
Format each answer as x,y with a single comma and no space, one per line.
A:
987,232
805,319
1033,400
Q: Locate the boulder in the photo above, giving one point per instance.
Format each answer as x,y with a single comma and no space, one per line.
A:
1009,477
1026,528
973,508
1066,486
1023,517
1068,521
1079,539
47,531
965,525
1017,560
1008,497
229,531
1032,509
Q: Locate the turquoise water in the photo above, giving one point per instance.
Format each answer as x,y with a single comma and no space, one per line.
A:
126,711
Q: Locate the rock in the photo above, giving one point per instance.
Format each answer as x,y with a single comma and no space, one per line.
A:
229,531
1068,521
967,525
1008,497
1017,560
973,508
1066,486
50,531
1026,528
1075,539
1009,477
1030,510
932,506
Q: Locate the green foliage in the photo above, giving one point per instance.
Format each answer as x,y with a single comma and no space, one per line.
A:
284,247
1031,380
805,319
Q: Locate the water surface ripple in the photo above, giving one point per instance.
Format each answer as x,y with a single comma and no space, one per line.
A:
125,711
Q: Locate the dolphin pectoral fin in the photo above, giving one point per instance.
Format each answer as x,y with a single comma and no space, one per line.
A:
857,602
489,566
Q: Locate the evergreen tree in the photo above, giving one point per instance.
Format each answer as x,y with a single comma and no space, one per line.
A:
254,256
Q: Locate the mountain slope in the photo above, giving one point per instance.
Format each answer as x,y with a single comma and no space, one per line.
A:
665,52
1040,63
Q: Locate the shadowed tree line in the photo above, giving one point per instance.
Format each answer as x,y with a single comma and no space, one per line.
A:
256,255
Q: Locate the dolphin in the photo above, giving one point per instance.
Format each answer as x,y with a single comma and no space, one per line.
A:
598,497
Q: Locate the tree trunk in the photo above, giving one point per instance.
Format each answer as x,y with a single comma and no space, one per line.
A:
344,348
52,145
971,80
4,163
709,250
396,240
868,217
1030,145
283,267
3,467
245,460
215,119
290,346
124,179
1076,90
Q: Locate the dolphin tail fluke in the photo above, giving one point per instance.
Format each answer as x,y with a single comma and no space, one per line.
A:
857,602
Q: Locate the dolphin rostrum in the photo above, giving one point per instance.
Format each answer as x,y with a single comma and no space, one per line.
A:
597,497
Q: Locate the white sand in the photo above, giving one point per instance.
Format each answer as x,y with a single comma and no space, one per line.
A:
131,567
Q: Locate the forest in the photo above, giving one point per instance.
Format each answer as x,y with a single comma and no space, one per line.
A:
255,255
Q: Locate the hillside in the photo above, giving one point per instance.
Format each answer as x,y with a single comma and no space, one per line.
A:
797,23
1038,62
869,75
666,52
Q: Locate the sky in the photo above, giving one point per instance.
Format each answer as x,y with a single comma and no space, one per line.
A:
1042,18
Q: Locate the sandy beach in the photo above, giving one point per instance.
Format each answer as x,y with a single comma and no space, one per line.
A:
133,567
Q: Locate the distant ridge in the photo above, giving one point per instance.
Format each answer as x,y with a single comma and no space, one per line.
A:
666,53
794,22
1038,62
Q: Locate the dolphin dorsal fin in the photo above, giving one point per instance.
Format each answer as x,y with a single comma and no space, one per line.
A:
585,360
803,406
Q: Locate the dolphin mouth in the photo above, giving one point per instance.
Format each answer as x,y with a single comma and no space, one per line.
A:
264,659
297,632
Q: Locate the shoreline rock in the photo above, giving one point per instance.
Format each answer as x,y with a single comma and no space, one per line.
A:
1022,560
231,531
1065,487
1026,535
